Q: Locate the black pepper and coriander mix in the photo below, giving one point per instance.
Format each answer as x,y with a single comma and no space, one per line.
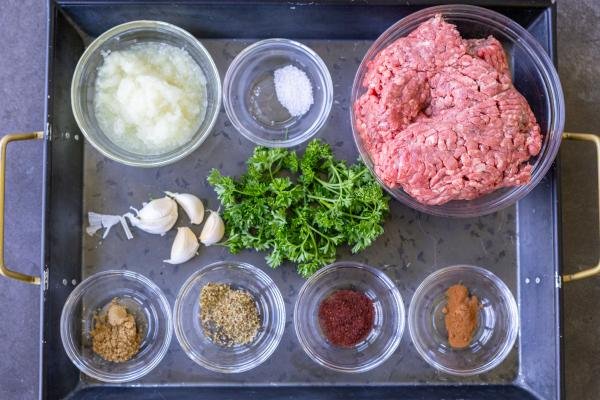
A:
229,316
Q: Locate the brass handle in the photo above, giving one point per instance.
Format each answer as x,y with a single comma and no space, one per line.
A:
586,137
4,270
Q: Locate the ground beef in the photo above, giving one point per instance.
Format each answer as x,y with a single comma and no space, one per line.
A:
441,118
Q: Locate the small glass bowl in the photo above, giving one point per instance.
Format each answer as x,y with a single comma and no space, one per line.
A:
237,358
251,102
388,324
497,328
142,298
122,37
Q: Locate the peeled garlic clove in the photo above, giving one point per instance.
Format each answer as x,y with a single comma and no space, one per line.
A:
213,229
156,226
184,246
157,208
156,217
191,204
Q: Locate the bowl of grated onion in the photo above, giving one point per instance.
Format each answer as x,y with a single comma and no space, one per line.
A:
146,93
278,93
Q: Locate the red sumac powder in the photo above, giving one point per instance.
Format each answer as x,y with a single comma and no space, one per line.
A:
346,317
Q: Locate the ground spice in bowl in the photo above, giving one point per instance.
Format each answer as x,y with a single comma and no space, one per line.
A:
461,317
115,336
229,316
346,317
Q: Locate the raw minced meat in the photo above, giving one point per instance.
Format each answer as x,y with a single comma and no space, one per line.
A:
441,118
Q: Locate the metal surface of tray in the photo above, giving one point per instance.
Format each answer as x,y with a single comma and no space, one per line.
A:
519,244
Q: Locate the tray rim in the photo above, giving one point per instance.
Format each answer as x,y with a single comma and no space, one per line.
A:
54,6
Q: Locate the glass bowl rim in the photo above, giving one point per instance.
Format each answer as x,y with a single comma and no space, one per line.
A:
150,25
398,308
75,297
278,312
261,45
513,312
535,53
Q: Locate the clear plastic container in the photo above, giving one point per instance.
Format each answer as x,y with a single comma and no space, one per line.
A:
388,325
142,298
236,358
534,76
251,102
498,321
122,37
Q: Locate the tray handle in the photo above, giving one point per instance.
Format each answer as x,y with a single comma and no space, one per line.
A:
586,137
4,270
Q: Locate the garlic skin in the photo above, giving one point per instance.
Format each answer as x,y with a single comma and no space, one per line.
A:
191,204
184,246
98,221
156,217
213,230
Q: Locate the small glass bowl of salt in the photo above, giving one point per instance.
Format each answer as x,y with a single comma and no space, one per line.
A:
278,93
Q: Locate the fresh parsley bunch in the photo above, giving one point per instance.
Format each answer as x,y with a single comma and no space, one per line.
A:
301,209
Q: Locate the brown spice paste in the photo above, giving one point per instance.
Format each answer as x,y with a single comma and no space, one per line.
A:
461,316
115,336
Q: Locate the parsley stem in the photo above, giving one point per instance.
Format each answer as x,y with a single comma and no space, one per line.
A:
355,216
242,192
339,179
328,186
323,201
318,232
310,196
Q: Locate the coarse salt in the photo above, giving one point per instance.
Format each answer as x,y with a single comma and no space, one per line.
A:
293,90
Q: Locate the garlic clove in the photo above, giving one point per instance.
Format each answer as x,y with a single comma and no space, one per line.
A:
184,246
158,208
191,204
158,226
156,217
213,229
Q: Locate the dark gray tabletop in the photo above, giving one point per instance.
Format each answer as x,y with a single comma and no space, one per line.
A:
22,55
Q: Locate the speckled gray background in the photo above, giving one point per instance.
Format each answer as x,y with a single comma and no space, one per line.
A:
22,55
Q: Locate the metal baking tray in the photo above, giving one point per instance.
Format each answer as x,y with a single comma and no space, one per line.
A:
520,244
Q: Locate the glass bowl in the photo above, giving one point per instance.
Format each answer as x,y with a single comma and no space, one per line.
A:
142,298
251,102
534,76
497,328
122,37
236,358
388,324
